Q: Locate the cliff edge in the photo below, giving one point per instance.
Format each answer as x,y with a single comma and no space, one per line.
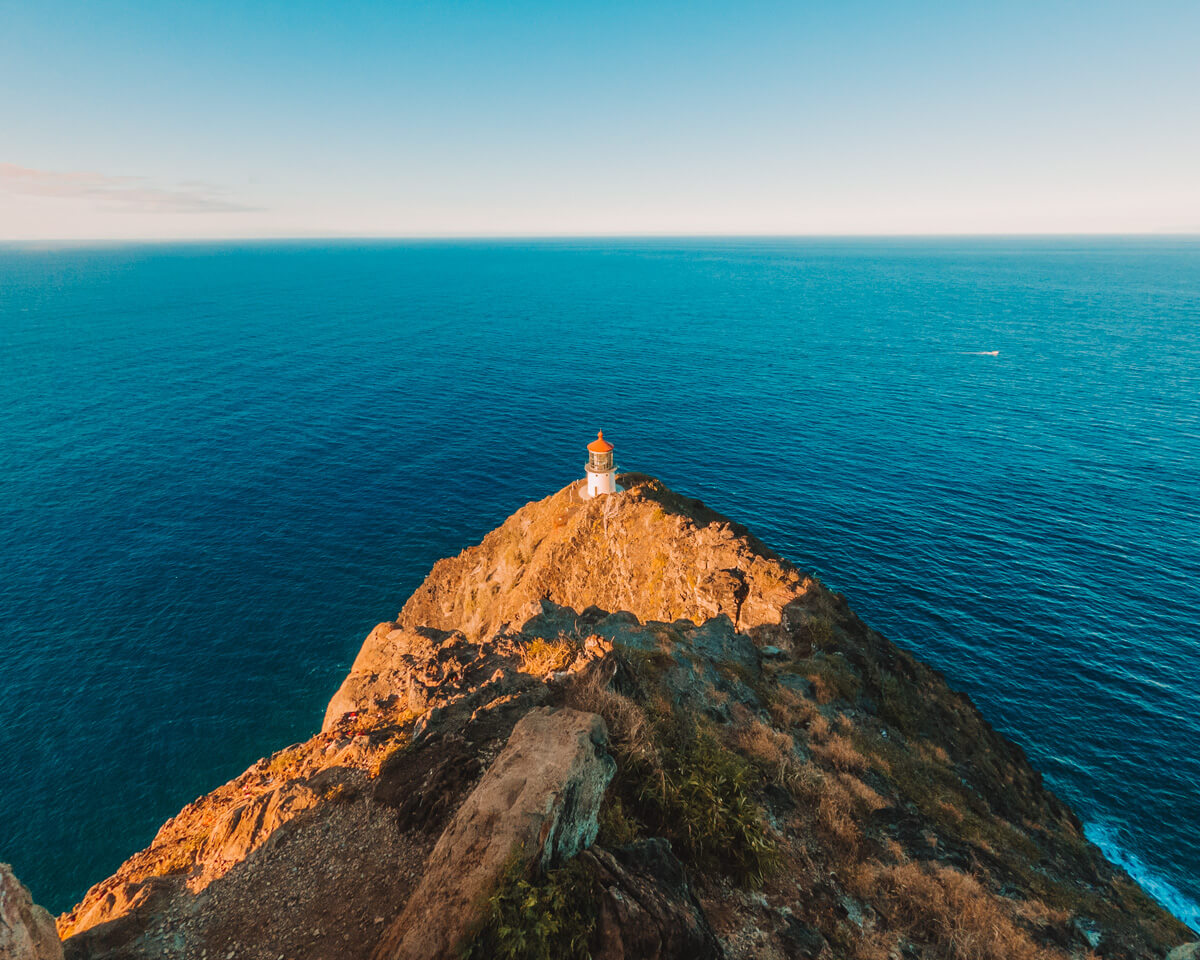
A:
621,728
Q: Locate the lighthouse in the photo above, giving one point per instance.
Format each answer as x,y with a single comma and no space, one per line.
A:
601,474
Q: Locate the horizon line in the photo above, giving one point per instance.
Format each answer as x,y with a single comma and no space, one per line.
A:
440,237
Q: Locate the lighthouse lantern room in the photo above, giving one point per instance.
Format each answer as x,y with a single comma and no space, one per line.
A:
601,474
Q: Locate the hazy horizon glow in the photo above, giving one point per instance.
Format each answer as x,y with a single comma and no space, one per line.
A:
136,120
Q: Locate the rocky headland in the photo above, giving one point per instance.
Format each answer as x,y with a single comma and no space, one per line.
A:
624,728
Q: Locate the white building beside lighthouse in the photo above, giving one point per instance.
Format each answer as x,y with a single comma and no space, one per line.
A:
601,474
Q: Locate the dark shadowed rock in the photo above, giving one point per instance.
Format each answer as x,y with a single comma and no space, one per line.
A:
538,800
800,941
646,910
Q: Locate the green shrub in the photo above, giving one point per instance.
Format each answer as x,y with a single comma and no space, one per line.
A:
540,917
701,799
831,675
676,778
819,633
617,827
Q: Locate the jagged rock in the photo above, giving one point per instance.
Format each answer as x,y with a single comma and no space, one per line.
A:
246,827
397,666
421,669
26,930
539,799
646,910
119,916
1186,951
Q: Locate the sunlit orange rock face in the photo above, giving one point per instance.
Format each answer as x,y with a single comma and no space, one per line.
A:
629,713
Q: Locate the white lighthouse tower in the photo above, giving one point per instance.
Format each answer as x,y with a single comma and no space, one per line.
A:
601,474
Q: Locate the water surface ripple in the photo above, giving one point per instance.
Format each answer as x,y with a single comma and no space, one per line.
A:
222,464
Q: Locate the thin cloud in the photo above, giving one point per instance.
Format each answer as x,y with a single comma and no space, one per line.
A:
130,194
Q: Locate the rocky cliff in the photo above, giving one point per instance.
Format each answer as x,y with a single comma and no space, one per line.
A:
625,728
26,930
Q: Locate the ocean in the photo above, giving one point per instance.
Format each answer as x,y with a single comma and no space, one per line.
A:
222,464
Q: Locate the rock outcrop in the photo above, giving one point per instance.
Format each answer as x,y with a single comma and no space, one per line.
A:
785,782
646,909
537,802
654,554
26,930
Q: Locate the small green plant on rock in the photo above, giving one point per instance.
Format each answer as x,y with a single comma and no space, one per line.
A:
819,633
549,916
701,798
617,827
393,746
287,764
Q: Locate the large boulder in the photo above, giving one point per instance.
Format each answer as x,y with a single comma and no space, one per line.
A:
538,800
26,930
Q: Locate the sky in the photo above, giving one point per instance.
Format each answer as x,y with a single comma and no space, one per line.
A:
212,119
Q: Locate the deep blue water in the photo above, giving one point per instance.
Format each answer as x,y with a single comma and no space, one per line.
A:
221,465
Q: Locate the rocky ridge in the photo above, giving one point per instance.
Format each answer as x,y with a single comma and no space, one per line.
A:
785,782
26,930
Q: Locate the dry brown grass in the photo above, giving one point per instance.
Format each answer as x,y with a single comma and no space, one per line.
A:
831,675
818,727
949,911
1037,914
877,946
808,784
542,657
627,723
788,709
840,753
867,798
769,749
893,851
836,819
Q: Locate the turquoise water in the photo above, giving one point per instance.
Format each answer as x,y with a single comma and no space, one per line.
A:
222,464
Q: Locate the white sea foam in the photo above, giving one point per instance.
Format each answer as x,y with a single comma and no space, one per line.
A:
1107,838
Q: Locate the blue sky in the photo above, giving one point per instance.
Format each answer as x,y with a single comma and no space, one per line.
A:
214,119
